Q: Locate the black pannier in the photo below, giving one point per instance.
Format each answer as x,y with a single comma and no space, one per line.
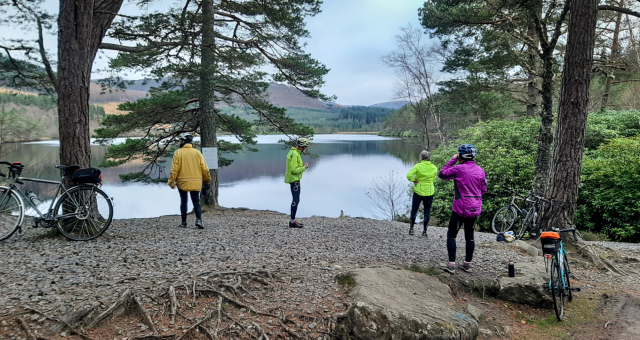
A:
550,245
88,175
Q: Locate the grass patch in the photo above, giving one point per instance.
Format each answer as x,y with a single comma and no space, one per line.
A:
431,270
345,280
589,236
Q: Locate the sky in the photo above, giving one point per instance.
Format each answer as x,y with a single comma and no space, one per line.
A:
349,37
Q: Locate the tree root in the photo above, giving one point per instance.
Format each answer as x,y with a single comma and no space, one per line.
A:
196,325
122,301
236,302
145,315
174,305
263,335
591,253
26,328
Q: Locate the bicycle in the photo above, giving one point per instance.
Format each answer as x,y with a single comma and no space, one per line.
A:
559,284
505,218
81,213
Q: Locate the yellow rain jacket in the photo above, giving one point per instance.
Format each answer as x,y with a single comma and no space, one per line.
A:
425,173
188,169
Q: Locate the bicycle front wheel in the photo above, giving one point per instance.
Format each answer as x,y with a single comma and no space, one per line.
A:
567,283
504,219
83,213
11,213
557,289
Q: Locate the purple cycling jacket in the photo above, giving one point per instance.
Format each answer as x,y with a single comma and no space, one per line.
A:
470,184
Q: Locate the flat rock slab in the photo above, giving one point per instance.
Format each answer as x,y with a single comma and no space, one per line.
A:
526,287
395,304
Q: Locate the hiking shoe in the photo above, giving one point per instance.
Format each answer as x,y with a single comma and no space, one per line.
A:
182,225
424,233
411,231
199,224
449,268
296,224
466,267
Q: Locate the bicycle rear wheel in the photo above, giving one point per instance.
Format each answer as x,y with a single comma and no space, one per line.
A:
11,213
83,213
557,289
504,219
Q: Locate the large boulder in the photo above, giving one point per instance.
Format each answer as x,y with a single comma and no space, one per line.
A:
397,304
526,287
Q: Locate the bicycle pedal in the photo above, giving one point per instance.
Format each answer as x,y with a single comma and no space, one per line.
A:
575,289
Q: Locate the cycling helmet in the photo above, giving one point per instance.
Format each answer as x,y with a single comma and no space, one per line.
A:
303,142
467,152
186,139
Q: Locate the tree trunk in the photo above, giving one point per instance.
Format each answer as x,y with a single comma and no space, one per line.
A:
613,58
545,135
533,64
572,115
207,96
82,25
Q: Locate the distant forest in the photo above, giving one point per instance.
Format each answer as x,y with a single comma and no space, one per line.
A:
349,119
46,103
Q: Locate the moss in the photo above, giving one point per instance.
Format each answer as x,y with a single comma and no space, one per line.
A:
430,270
345,280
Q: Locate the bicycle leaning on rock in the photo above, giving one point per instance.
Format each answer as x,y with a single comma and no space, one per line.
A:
82,212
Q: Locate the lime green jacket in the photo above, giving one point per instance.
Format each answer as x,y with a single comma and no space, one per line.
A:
425,173
295,167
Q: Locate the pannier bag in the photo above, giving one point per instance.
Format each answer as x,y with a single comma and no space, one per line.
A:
550,242
88,175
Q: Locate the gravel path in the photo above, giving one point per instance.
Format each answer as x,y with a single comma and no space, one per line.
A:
56,274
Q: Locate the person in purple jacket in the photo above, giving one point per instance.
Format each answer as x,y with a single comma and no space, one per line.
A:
469,184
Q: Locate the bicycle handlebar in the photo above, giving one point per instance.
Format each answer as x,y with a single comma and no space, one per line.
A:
569,230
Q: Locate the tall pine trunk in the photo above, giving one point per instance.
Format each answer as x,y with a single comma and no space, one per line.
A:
572,115
207,96
82,25
545,134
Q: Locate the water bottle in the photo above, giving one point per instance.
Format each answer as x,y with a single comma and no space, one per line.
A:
512,270
524,211
34,199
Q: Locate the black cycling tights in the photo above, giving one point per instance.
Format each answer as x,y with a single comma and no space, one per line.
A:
295,192
195,199
454,225
415,205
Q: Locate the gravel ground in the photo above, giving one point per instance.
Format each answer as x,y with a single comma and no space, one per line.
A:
56,274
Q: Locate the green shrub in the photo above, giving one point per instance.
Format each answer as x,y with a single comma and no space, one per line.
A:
604,126
506,152
609,200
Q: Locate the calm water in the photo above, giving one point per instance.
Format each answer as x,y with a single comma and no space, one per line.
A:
336,180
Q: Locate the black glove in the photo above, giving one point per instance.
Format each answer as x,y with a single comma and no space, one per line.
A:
206,187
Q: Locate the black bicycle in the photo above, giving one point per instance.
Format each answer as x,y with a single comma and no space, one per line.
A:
506,217
559,285
82,212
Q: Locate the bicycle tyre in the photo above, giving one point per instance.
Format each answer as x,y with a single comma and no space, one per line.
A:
557,289
504,219
91,216
9,221
567,285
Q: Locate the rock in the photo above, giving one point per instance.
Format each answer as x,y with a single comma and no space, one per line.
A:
526,287
385,307
474,311
484,331
531,250
63,334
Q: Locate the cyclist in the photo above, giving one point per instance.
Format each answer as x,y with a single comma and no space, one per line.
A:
188,170
295,168
470,184
422,175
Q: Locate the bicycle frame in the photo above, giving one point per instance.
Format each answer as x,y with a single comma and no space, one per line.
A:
560,256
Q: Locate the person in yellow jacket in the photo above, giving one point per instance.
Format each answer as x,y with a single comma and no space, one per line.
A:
188,170
295,168
422,175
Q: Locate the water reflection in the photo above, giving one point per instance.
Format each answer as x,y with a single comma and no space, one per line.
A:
336,180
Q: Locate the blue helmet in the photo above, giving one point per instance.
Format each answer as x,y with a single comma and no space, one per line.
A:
467,151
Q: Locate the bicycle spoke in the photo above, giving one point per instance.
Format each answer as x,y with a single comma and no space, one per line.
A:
88,220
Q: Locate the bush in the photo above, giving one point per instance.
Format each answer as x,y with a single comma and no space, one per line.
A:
604,126
506,152
609,200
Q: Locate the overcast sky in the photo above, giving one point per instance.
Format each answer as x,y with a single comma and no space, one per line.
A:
349,37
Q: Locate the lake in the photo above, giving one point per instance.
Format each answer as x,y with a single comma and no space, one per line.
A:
337,178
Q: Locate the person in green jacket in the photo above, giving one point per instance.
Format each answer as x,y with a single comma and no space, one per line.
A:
422,175
295,168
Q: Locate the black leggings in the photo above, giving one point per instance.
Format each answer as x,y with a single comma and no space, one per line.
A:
195,199
295,192
454,225
415,205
